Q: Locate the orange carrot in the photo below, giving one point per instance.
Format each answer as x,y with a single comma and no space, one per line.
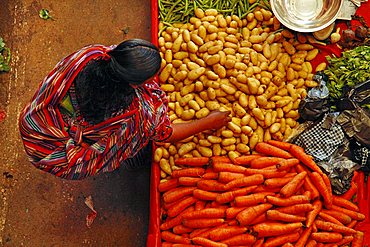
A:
261,218
352,224
341,217
283,145
206,242
353,214
230,195
172,222
350,192
254,179
205,213
262,188
225,232
287,245
268,229
319,182
200,204
167,185
220,159
174,238
241,239
188,172
296,208
292,187
308,185
358,239
193,161
268,173
204,195
311,243
341,202
311,215
259,242
245,160
328,226
287,164
181,206
183,245
345,240
203,232
304,237
178,193
326,237
210,174
225,177
283,202
202,222
268,149
280,240
180,229
299,153
210,185
246,216
252,199
275,215
263,162
188,181
228,167
232,212
277,182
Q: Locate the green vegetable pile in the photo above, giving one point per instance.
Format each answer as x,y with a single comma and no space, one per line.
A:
4,56
181,11
352,68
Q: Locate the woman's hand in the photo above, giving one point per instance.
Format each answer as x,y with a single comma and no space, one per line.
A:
217,119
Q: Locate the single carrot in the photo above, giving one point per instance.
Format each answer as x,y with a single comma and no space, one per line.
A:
261,218
358,239
174,238
259,242
205,213
167,185
206,242
232,212
172,222
353,214
268,229
304,237
202,222
205,195
289,201
225,232
200,204
210,174
180,229
229,196
344,203
328,227
326,237
341,217
283,145
352,224
311,243
188,181
267,173
311,215
188,172
275,215
277,182
204,232
245,160
281,240
287,245
176,194
246,216
319,182
228,167
220,159
286,164
254,179
252,199
299,153
241,239
193,161
346,240
263,162
308,185
296,208
291,188
268,149
225,177
348,195
181,206
210,185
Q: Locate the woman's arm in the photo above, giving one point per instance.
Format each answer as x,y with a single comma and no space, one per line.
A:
215,120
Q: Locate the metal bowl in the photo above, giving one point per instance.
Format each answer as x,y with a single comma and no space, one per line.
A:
306,15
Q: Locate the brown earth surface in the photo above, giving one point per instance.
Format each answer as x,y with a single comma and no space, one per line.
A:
36,208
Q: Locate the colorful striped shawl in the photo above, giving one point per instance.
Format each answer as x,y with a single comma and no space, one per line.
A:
57,147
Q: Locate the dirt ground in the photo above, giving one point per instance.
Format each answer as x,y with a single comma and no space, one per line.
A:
36,208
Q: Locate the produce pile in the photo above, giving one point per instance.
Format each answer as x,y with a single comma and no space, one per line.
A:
250,66
278,197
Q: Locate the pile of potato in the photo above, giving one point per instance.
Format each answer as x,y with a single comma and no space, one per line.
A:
248,66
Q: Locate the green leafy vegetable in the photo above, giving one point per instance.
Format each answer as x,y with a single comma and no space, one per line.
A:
4,56
44,14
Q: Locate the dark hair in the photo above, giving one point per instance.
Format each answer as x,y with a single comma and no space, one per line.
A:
103,87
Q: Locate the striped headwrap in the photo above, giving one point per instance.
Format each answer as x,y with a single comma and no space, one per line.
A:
57,147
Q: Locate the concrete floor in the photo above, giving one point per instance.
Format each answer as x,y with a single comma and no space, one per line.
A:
36,208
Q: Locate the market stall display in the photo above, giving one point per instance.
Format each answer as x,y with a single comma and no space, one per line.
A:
251,65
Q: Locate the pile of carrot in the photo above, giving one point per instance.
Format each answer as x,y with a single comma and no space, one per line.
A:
275,197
